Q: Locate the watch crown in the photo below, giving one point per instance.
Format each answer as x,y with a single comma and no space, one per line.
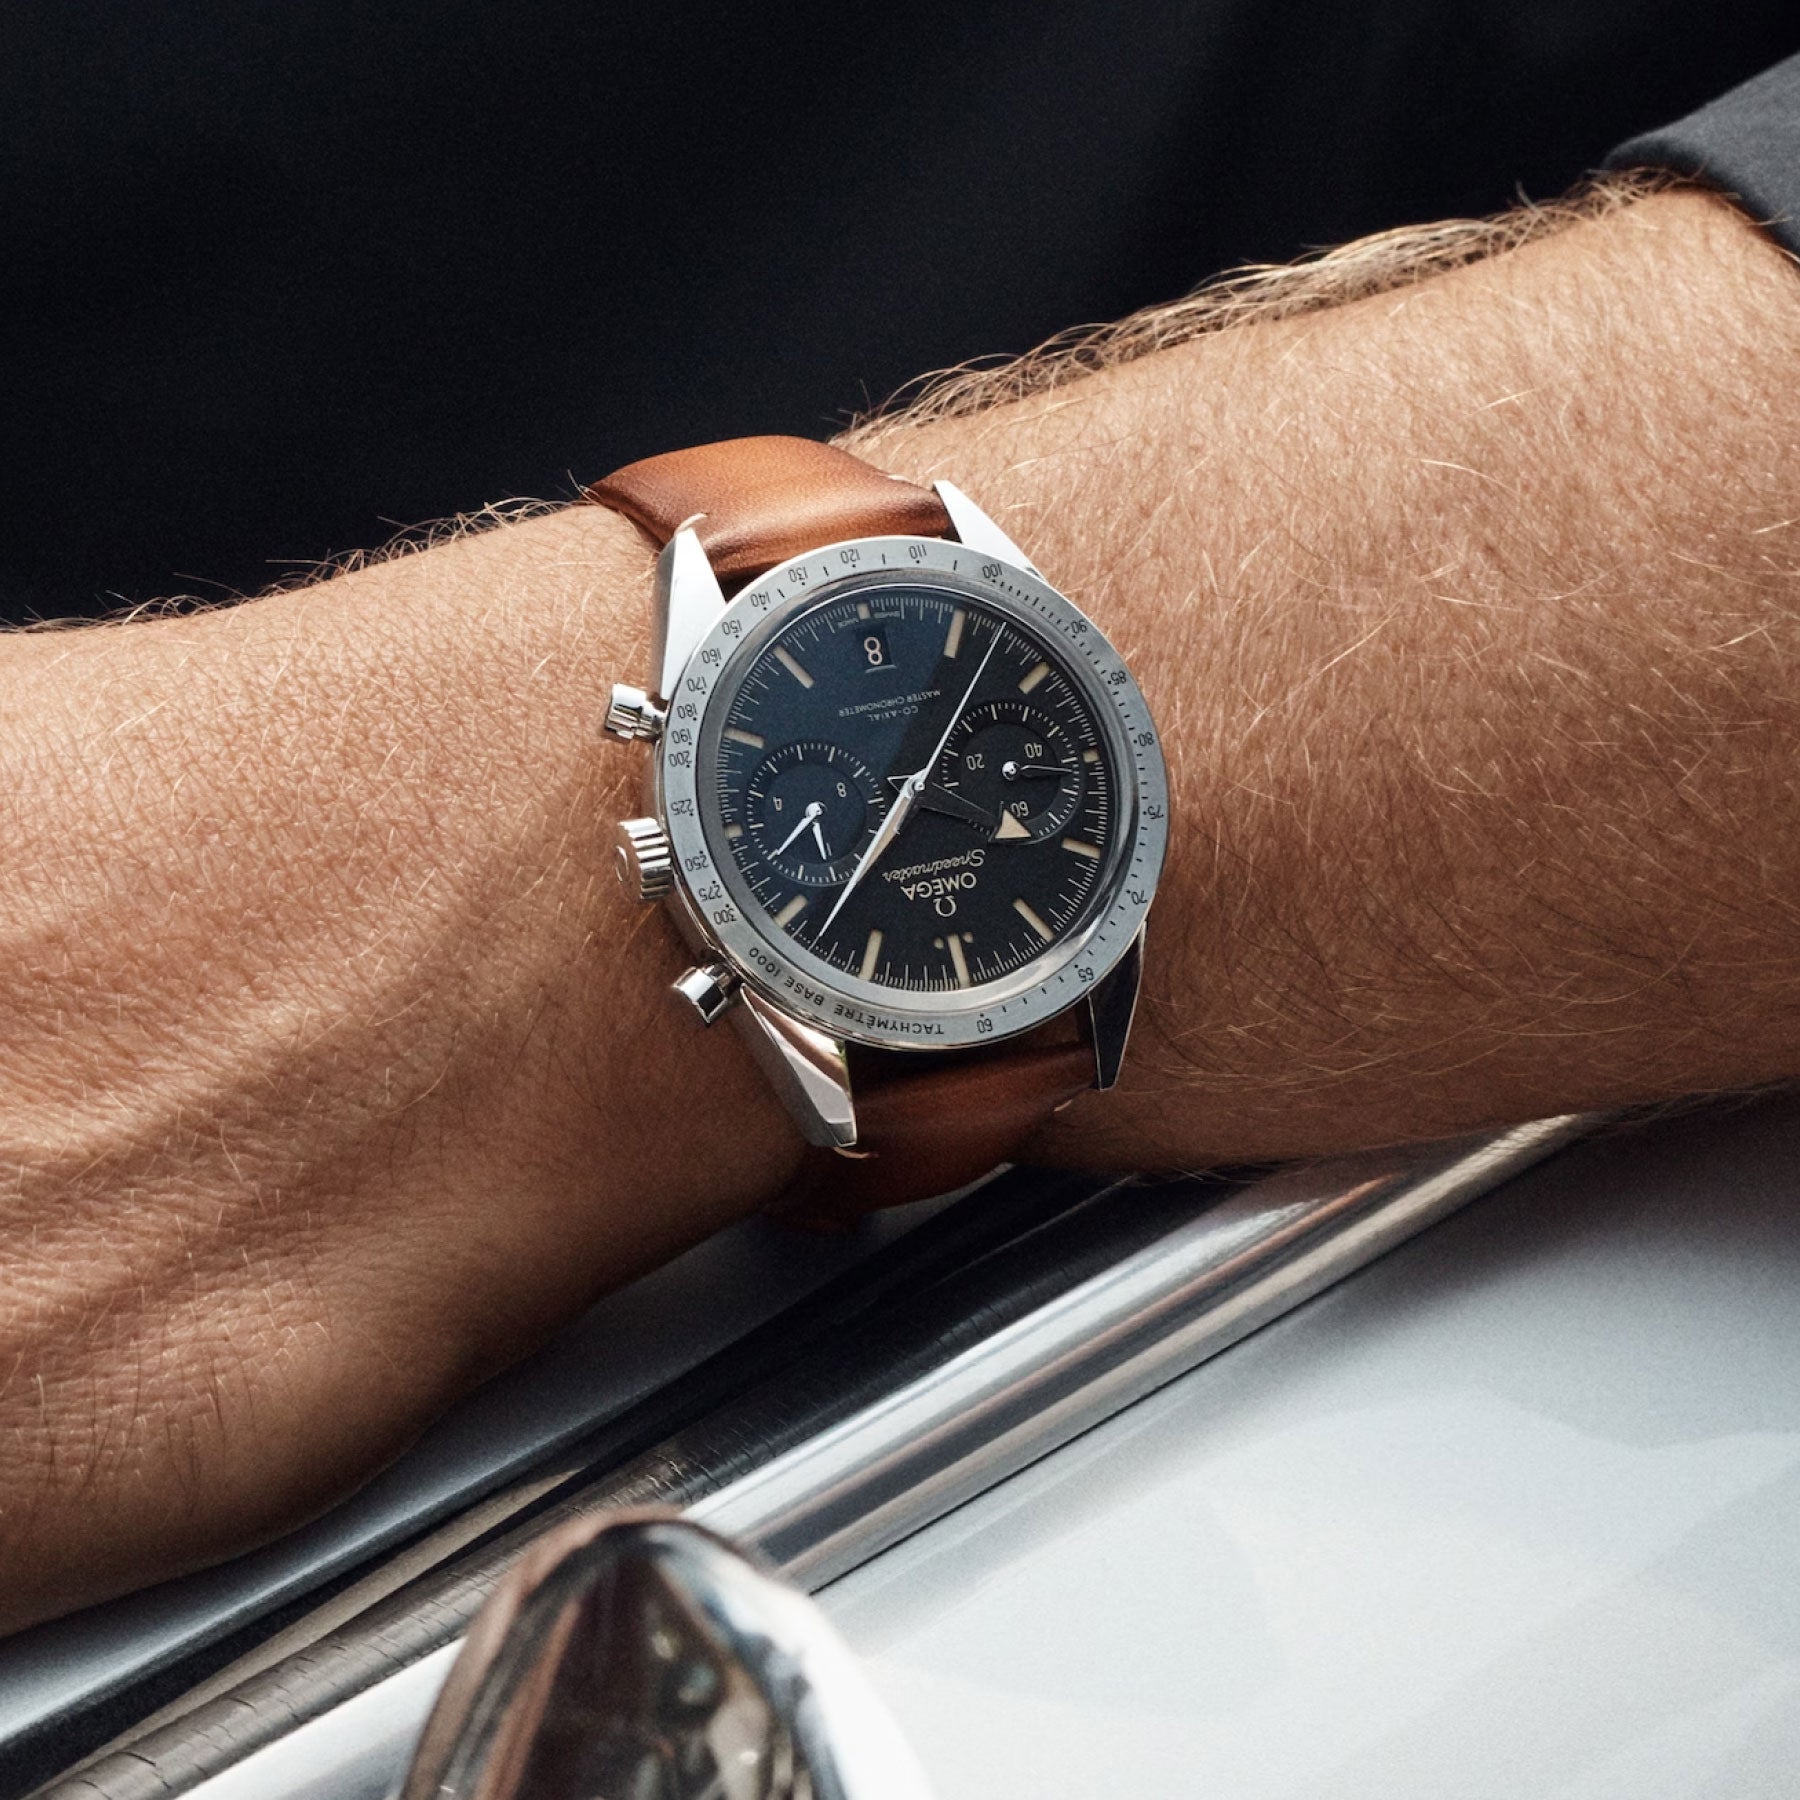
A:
646,864
709,989
631,713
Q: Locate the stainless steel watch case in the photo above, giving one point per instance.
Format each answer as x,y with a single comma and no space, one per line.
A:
809,1006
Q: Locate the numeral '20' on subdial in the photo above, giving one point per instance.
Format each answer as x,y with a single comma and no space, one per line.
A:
1015,762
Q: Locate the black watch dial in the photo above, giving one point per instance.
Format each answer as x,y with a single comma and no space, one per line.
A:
914,787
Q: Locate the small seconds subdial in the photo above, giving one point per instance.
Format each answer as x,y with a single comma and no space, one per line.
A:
810,809
1014,761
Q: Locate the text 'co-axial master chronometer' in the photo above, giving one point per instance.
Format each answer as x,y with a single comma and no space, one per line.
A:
906,802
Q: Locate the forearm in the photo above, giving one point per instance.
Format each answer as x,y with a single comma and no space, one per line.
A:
1468,613
335,1069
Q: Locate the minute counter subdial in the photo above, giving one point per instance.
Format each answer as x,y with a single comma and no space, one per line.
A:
810,809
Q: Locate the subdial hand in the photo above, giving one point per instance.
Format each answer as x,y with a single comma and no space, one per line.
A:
819,839
1012,771
809,817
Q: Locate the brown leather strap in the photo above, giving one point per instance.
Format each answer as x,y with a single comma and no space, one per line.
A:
926,1122
766,499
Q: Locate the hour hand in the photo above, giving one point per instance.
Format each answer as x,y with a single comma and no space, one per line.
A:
942,800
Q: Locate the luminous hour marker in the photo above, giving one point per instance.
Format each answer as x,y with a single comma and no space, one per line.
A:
953,642
1092,851
745,737
862,609
1090,756
1033,678
871,955
733,833
1010,828
794,908
792,666
1033,920
958,961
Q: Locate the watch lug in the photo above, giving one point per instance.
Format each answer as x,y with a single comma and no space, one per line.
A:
1110,1007
687,600
807,1068
974,528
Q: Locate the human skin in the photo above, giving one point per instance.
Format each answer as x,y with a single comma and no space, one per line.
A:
336,1071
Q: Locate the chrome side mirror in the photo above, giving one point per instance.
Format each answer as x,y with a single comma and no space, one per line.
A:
636,1656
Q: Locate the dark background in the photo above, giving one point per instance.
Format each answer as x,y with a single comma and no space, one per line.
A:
277,276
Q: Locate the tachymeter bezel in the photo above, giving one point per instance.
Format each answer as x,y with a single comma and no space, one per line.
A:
783,970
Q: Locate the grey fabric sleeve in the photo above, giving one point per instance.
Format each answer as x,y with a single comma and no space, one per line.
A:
1746,144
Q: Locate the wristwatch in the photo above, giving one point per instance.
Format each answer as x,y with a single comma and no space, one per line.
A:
905,801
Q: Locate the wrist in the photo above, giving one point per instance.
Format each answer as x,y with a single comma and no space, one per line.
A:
329,1040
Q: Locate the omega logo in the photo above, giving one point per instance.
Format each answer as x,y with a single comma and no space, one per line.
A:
941,891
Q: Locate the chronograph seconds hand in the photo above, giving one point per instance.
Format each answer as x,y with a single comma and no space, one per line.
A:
907,798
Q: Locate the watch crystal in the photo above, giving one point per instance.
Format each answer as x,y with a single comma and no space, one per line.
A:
914,787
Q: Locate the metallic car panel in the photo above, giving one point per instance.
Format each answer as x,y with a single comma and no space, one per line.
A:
1516,1512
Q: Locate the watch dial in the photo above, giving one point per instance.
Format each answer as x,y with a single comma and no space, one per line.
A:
913,786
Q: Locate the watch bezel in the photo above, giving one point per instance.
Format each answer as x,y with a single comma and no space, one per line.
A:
804,985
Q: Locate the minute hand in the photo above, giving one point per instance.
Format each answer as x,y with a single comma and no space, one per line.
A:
907,798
